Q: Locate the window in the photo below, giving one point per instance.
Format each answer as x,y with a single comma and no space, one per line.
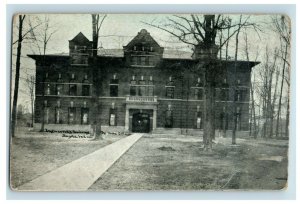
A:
169,119
133,87
58,119
147,61
112,119
46,117
170,88
73,89
47,89
198,93
59,89
170,92
114,85
143,60
134,60
224,94
84,116
151,91
113,90
72,115
198,119
142,88
85,90
112,115
240,94
151,87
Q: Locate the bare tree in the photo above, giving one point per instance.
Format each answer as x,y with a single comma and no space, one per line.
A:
253,122
282,26
40,39
97,22
30,82
17,76
235,88
201,32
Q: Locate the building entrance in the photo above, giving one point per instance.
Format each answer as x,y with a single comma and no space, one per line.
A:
141,122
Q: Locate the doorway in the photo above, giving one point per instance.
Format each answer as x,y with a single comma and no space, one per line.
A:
141,122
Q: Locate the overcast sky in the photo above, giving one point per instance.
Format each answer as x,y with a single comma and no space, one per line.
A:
118,29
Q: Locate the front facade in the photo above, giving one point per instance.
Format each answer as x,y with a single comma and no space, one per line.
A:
141,88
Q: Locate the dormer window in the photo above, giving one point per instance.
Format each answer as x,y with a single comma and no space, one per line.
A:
134,48
151,49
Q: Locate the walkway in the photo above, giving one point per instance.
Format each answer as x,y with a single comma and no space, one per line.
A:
80,174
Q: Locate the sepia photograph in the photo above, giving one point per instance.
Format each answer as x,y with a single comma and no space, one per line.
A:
150,102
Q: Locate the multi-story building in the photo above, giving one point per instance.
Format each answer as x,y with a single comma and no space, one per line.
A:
140,88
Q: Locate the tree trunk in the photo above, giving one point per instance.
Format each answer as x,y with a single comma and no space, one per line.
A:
280,95
253,109
235,86
32,111
287,119
96,125
17,76
207,116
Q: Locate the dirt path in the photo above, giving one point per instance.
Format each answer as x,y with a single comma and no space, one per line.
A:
178,163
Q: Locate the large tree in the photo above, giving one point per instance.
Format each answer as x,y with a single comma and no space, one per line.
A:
201,31
97,21
17,75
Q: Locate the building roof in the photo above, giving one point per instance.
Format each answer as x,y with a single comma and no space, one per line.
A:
80,38
142,36
167,54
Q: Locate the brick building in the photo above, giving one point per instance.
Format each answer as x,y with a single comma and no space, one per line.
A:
140,88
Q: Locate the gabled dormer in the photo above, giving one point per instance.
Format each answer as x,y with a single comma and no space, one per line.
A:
143,51
80,49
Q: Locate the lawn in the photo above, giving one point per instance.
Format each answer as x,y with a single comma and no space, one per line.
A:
33,154
168,162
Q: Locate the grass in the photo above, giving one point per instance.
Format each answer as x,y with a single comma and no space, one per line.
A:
33,154
179,163
159,162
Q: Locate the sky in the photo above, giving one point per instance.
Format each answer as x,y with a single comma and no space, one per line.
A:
118,29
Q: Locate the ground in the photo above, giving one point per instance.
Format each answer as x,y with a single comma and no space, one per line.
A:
160,162
34,154
166,162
